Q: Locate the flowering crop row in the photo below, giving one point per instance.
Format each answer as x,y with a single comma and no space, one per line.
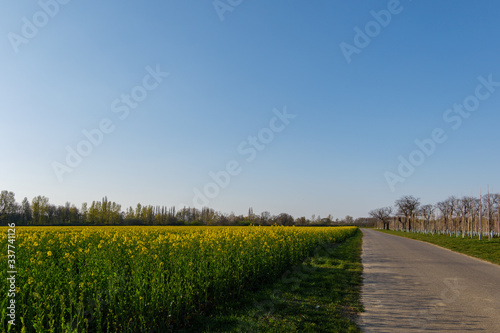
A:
133,279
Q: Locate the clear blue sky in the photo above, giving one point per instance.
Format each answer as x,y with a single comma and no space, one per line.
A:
353,119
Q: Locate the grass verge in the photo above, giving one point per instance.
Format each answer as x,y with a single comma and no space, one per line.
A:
320,295
482,249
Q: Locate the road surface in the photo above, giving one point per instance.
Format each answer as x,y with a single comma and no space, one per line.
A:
412,286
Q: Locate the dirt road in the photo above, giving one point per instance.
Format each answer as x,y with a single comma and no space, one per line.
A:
412,286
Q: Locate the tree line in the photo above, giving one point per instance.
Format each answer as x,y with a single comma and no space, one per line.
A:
467,216
40,212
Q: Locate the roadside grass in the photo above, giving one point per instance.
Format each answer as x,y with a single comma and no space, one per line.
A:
320,295
482,249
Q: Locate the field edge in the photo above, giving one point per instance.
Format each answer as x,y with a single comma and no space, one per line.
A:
322,294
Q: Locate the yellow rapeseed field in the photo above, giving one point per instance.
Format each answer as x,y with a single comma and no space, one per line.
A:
132,279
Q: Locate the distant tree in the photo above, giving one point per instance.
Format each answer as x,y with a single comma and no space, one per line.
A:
265,217
301,221
427,212
74,215
147,215
8,206
455,207
498,213
52,214
383,215
138,211
489,201
93,214
349,219
84,213
104,211
115,213
26,212
172,220
40,208
326,220
408,206
207,216
448,208
222,219
366,221
187,214
497,207
130,214
251,215
284,219
445,210
465,210
232,218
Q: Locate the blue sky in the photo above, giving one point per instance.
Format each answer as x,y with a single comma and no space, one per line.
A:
353,120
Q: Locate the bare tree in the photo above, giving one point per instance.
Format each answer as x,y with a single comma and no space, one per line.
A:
454,205
447,209
488,211
466,209
408,206
467,216
383,215
498,214
427,211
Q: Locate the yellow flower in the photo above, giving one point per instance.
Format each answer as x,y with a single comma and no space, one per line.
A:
30,280
49,253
